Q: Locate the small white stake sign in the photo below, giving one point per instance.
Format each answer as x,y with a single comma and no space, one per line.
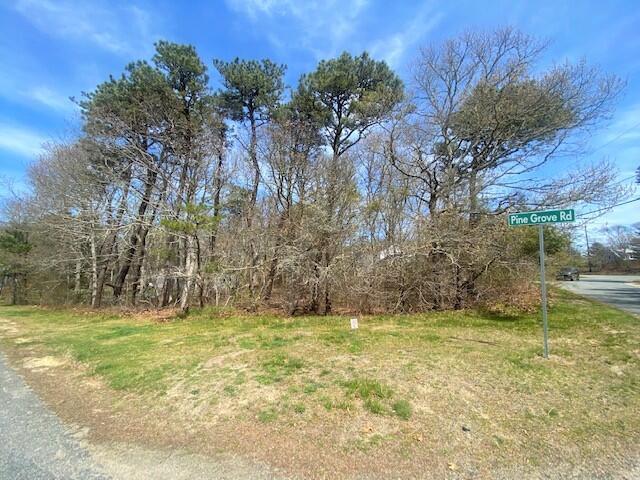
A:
354,323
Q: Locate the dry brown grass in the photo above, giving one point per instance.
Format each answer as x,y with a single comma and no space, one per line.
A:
455,394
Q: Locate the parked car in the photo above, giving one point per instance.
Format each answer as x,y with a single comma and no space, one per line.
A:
568,273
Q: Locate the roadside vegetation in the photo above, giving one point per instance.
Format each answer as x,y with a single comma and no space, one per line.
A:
197,182
467,387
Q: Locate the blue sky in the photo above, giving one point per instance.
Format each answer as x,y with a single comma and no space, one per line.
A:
53,49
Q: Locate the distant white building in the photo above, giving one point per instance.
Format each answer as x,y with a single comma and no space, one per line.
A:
391,251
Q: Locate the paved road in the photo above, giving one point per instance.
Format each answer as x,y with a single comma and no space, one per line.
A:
34,444
612,289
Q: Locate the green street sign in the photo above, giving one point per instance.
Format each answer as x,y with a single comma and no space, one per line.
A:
539,218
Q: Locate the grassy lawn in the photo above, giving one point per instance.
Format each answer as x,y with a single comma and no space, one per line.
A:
468,386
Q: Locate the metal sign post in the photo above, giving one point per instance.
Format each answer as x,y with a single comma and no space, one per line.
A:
543,294
541,218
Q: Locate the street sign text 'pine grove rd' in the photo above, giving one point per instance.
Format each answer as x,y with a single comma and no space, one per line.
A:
539,218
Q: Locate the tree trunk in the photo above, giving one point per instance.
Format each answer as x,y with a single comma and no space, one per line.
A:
168,286
190,271
326,242
253,156
327,298
314,304
136,236
78,277
459,301
137,266
96,290
198,272
14,293
108,249
171,285
469,286
474,193
273,267
271,276
217,189
433,204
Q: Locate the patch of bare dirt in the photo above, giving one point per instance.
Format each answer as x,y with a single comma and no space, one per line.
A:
133,462
222,360
43,363
156,315
8,328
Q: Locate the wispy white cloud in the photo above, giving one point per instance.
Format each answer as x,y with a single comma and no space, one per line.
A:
394,47
121,29
623,215
27,85
255,8
321,26
49,98
21,141
625,128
